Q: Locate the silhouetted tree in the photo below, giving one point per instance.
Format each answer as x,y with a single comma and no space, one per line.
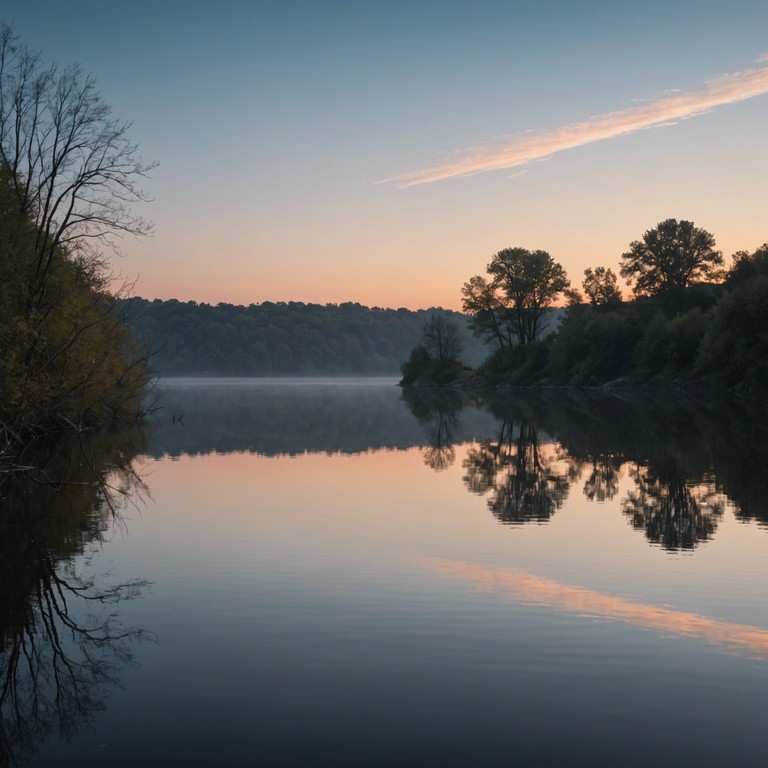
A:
511,307
530,281
601,286
490,320
440,337
674,254
435,360
747,265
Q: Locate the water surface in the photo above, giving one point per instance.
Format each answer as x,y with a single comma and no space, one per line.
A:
337,573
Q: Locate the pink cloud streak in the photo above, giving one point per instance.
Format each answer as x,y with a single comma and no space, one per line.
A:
531,147
741,639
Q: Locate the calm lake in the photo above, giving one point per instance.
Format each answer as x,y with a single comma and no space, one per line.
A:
316,572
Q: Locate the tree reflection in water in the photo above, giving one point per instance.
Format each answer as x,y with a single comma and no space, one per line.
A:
526,482
437,411
673,512
62,644
603,481
687,459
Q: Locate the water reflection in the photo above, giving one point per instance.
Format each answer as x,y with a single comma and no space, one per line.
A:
525,481
62,644
742,639
438,413
293,417
673,511
603,481
686,460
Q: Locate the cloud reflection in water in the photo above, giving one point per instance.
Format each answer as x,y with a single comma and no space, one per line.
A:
740,639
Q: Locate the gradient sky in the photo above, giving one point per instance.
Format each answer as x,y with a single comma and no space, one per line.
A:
382,152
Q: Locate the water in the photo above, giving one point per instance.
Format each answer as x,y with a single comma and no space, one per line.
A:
317,573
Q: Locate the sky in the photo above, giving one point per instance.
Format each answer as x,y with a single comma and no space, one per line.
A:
382,152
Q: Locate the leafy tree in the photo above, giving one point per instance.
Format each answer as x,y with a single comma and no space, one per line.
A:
530,281
601,286
734,349
523,286
748,265
573,297
489,320
594,345
674,254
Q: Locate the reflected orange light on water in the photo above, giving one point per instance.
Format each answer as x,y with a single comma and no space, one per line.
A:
527,587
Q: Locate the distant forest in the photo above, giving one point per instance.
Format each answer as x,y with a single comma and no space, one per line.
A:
282,338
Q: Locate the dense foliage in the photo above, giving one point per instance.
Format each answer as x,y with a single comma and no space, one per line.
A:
281,338
674,254
692,323
704,335
67,359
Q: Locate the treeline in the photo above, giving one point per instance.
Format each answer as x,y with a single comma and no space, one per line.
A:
705,335
281,338
693,322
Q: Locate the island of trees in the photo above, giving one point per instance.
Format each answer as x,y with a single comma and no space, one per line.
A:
692,321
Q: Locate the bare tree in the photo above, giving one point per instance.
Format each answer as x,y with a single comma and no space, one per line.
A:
72,168
440,337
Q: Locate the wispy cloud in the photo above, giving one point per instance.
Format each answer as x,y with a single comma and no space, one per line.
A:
530,147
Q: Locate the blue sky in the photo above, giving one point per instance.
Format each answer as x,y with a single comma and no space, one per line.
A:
274,123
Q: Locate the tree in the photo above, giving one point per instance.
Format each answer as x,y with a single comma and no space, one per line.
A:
746,266
435,359
674,254
440,337
74,171
601,286
529,281
481,300
68,177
